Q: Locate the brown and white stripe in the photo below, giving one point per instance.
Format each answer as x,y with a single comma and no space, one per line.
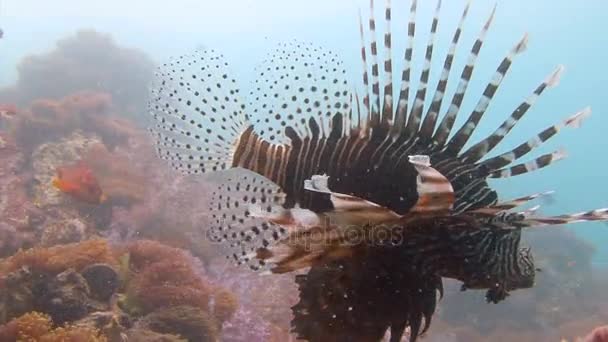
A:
533,165
445,127
404,91
435,193
464,133
482,148
415,117
430,119
524,148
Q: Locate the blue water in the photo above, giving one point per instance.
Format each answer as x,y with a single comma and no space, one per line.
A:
562,32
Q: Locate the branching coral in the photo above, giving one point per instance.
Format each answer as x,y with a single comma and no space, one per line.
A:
38,327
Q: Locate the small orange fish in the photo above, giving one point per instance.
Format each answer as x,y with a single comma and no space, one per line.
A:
79,182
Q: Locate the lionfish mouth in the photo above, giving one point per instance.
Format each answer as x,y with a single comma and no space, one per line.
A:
316,158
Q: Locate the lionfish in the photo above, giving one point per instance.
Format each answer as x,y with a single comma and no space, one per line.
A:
330,173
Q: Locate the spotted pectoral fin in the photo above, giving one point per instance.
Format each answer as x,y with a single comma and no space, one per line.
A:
246,211
347,208
301,90
435,192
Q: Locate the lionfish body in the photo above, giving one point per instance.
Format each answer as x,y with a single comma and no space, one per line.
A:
324,163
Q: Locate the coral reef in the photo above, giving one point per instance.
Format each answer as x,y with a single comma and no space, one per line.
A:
192,323
38,327
225,305
61,232
65,298
45,161
46,280
87,60
270,297
16,211
117,174
103,280
119,180
173,213
145,335
166,276
57,259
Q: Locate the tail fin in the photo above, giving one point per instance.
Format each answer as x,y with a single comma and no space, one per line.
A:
198,112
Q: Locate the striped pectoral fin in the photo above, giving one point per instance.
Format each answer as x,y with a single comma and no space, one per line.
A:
435,192
349,209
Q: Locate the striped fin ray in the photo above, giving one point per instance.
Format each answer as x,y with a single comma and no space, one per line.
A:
586,216
236,209
464,133
299,90
402,103
480,149
415,117
533,165
508,205
387,107
366,96
445,127
524,148
375,101
430,119
198,112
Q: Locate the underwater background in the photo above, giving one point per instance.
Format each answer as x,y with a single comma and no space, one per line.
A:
74,80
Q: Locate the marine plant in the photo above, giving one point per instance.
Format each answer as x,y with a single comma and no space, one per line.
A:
163,276
38,327
56,259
